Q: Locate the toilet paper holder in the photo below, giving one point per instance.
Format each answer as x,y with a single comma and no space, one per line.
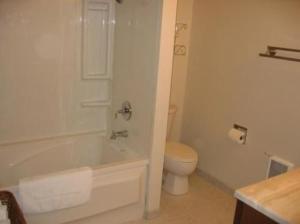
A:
242,129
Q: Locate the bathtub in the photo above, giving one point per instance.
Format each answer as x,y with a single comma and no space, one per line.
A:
119,181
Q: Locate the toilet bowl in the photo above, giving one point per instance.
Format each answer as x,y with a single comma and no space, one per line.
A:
180,161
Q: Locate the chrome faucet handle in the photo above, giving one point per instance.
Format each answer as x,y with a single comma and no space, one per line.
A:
124,133
125,111
113,135
116,134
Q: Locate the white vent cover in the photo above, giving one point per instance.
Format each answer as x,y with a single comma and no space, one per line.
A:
278,166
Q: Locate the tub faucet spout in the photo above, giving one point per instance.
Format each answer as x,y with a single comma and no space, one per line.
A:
117,134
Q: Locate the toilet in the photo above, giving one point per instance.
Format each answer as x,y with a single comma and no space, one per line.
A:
180,161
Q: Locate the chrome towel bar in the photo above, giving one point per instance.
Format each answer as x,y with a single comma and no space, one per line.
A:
273,51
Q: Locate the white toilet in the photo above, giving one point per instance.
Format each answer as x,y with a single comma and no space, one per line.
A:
180,161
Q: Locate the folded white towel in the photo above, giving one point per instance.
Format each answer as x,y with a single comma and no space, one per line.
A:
56,191
3,212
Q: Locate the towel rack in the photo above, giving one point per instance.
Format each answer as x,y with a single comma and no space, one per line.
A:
272,53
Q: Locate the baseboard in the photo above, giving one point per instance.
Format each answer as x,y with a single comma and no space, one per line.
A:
215,181
152,214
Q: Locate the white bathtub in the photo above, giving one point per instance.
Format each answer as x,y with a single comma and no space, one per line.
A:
118,188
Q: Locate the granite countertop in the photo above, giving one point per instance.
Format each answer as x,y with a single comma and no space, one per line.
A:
278,198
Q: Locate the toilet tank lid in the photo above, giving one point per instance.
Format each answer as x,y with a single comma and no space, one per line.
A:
180,152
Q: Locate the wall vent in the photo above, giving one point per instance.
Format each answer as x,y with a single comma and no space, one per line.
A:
278,166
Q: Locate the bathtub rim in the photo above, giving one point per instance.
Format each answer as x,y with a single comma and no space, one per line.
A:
99,170
114,166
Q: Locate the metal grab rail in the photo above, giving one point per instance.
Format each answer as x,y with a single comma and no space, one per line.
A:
272,53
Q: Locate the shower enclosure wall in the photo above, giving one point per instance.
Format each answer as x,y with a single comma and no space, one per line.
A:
66,67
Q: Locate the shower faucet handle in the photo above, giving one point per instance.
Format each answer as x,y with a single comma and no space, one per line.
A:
125,111
117,134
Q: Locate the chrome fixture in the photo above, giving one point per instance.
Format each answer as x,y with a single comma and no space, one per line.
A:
272,52
242,129
117,134
126,111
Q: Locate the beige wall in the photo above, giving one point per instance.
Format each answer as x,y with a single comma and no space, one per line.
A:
228,83
184,15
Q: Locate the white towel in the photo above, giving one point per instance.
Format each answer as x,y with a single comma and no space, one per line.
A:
56,191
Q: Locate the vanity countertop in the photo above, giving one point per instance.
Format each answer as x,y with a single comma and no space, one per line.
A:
277,198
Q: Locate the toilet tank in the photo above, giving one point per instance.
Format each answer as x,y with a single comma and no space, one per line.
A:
171,118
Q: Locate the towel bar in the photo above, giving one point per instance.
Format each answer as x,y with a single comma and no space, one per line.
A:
272,51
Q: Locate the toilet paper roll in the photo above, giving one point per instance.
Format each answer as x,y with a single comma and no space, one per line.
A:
237,136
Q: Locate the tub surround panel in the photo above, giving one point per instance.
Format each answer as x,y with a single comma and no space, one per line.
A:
56,98
136,47
43,92
98,29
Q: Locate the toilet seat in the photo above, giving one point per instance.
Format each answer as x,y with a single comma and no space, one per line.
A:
180,152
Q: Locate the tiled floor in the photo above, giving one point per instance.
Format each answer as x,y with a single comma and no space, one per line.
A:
204,204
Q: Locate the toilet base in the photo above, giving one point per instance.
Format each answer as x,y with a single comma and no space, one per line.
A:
175,184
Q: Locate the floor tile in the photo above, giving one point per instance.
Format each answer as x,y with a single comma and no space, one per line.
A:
203,204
